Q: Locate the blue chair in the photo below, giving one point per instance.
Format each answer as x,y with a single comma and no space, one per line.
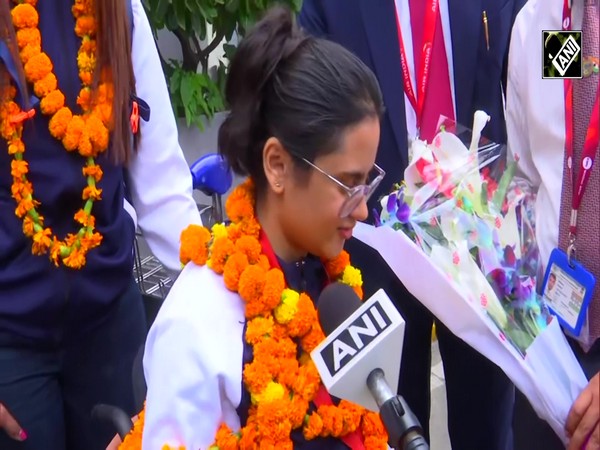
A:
212,176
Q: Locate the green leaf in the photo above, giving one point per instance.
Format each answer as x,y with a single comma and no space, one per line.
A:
187,91
180,11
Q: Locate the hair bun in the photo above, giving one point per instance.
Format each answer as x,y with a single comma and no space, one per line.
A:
268,44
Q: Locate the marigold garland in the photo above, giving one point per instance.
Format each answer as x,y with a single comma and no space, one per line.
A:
281,384
87,133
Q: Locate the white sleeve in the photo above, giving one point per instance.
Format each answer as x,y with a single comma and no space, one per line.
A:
193,363
516,110
159,176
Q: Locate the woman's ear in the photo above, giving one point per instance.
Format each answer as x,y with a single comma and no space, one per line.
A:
277,164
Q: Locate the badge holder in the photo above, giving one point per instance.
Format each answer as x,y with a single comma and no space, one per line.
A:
568,289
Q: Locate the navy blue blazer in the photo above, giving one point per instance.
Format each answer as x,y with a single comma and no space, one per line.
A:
368,28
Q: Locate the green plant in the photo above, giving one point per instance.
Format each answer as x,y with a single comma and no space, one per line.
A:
201,26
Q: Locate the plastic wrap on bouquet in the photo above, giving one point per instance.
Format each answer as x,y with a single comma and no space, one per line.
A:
467,229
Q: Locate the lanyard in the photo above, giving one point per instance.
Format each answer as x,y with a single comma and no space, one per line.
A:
417,99
590,144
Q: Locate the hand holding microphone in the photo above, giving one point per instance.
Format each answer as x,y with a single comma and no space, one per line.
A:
362,348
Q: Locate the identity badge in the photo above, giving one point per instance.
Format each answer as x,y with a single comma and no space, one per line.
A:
568,289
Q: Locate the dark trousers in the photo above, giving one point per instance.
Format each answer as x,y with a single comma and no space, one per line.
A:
480,397
51,391
531,432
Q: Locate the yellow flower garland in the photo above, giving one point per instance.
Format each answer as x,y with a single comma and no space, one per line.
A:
281,384
87,133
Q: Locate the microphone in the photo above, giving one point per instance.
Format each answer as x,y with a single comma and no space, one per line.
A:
360,352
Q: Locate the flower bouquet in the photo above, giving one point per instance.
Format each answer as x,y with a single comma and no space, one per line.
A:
467,227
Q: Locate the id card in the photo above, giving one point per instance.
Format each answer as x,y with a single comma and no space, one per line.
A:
568,291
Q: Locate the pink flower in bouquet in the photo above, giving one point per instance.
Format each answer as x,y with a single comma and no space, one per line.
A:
431,171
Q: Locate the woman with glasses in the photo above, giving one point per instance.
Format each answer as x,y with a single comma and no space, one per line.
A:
227,360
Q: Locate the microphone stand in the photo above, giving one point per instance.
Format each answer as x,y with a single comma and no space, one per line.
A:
403,427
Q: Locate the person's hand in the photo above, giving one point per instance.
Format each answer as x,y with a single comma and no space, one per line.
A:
583,422
116,441
114,444
10,425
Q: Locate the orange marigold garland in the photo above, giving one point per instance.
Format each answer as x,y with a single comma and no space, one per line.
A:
87,133
281,384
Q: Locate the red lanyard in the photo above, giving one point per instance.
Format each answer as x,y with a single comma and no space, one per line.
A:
417,100
590,145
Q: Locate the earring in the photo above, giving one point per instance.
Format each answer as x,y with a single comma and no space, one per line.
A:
277,185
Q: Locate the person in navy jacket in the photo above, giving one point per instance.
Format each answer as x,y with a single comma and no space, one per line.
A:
466,69
72,322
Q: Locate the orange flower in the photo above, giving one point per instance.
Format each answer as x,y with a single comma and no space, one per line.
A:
335,267
91,240
298,410
52,102
225,439
75,260
91,192
85,25
85,147
258,328
275,284
372,425
86,77
24,206
313,427
28,226
221,249
308,381
302,321
46,85
333,422
55,250
29,52
41,241
21,190
16,146
86,62
313,338
84,99
59,124
263,262
288,374
24,15
26,36
376,442
249,437
351,415
18,168
234,232
37,67
256,376
233,269
84,218
194,242
93,171
250,247
251,284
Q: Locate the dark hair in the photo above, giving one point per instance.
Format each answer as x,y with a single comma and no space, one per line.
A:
113,56
302,90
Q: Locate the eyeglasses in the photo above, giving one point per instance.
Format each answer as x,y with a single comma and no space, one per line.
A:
355,194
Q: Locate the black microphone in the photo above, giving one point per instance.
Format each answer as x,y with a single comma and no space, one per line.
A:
338,303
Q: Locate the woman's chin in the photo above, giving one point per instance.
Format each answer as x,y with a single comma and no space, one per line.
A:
332,250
